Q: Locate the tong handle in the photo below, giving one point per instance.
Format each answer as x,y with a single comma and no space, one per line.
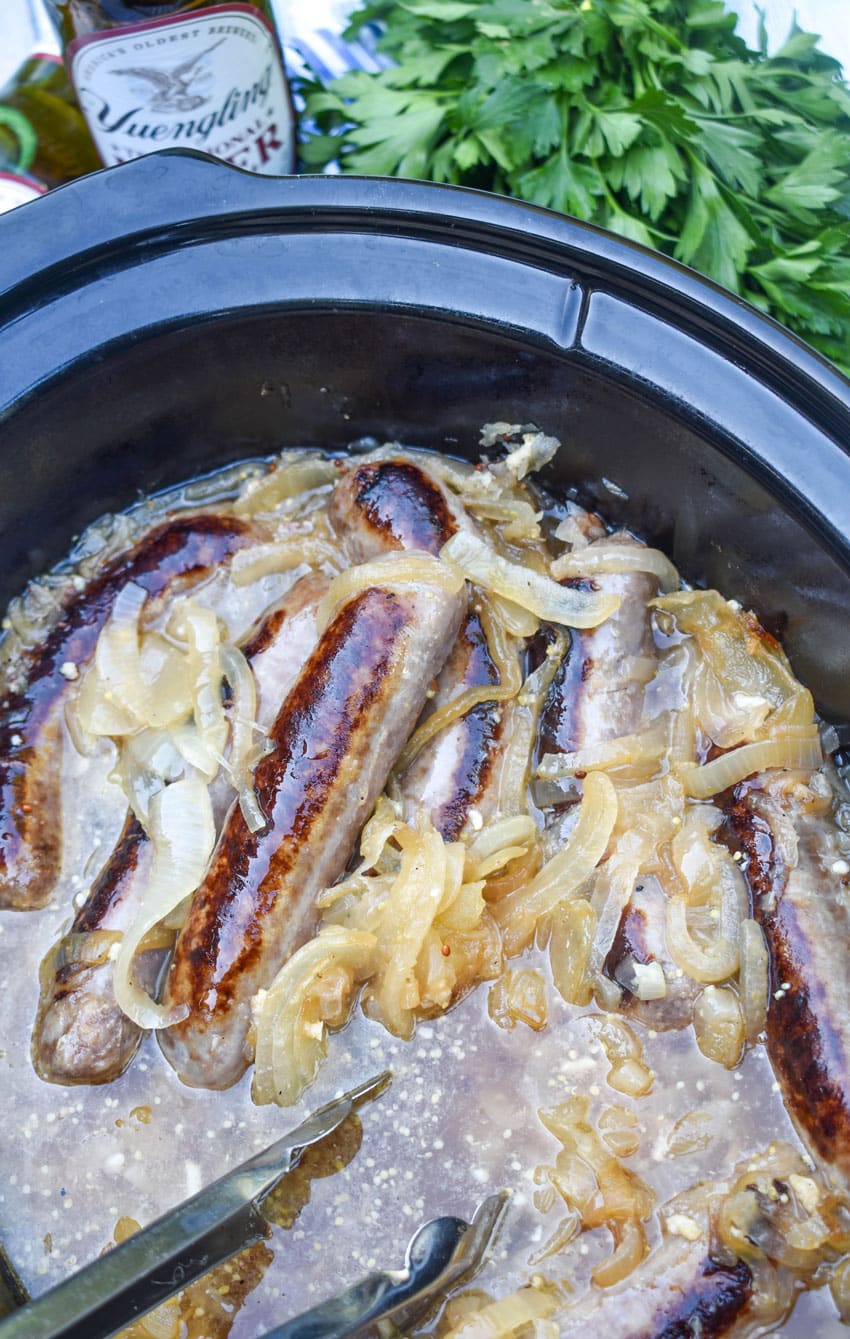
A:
154,1264
441,1253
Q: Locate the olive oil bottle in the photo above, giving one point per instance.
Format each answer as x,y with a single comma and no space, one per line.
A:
186,74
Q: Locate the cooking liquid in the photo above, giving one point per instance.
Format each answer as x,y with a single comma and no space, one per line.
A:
459,1120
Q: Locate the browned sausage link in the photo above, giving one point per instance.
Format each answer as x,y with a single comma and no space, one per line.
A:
80,1033
391,504
679,1292
30,734
591,698
457,770
805,921
335,740
716,1300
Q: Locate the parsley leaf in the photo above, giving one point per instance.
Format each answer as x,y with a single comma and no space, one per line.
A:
649,117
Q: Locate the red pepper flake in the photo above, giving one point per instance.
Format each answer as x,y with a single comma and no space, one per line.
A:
26,808
446,950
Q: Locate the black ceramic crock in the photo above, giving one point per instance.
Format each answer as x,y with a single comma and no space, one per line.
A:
161,318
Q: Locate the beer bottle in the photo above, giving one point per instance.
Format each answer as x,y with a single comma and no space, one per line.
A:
41,126
184,74
17,153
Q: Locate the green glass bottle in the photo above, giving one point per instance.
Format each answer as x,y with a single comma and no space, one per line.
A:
41,125
17,151
185,74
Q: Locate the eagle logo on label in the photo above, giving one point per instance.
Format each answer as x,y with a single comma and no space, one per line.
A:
172,89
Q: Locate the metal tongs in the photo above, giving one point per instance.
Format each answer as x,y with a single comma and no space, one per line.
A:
202,1232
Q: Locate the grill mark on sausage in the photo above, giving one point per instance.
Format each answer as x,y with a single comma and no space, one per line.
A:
402,507
590,700
225,937
560,728
453,772
806,933
709,1308
30,833
80,1034
336,739
474,770
110,887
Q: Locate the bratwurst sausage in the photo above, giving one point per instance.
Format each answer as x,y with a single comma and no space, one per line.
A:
594,696
458,770
335,740
81,1035
799,885
31,725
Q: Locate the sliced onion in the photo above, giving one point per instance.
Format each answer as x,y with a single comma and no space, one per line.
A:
631,1249
534,451
519,997
505,654
613,888
716,962
113,698
410,910
147,762
182,831
92,947
603,558
260,560
569,933
498,835
744,659
243,754
643,752
753,978
519,912
377,832
516,519
393,570
499,1320
202,631
540,595
719,1025
292,1015
713,880
791,753
291,477
518,622
522,738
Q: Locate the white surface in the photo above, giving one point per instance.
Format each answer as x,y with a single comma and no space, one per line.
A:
830,18
317,23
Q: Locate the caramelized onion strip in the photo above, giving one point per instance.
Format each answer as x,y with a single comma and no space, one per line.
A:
518,913
411,566
540,595
506,659
789,752
602,559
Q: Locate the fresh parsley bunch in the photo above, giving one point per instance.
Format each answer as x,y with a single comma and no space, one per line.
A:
649,117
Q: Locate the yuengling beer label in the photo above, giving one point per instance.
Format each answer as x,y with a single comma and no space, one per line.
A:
212,80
